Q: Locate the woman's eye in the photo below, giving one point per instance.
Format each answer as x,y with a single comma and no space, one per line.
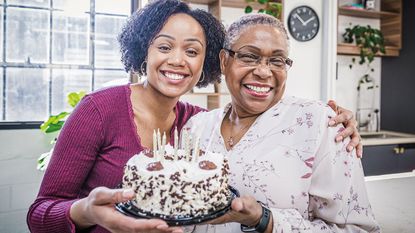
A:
191,52
163,48
248,56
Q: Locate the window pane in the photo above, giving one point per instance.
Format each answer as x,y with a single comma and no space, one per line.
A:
106,78
65,81
27,35
122,7
70,39
38,3
1,34
1,94
72,6
107,49
27,94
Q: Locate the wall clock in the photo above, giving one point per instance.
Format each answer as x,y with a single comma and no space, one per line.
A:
303,23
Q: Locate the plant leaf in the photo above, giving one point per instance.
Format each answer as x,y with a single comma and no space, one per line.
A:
53,123
248,9
75,97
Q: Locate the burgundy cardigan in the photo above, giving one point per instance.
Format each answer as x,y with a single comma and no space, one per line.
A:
94,145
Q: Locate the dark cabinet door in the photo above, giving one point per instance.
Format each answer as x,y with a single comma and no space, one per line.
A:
387,159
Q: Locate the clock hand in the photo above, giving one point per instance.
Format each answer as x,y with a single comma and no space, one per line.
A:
310,19
299,18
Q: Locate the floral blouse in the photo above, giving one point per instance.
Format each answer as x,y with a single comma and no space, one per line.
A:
289,160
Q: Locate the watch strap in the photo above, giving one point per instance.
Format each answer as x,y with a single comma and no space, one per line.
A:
261,227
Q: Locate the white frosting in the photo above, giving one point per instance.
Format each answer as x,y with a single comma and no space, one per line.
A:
181,187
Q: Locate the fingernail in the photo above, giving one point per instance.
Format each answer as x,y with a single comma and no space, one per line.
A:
349,148
128,193
359,154
339,138
162,226
332,122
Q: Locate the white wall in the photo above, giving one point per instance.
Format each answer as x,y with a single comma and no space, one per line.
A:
348,79
304,78
19,179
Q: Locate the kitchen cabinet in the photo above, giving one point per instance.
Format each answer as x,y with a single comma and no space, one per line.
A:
387,159
390,16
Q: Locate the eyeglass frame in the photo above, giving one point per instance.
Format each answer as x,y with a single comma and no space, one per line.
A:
288,62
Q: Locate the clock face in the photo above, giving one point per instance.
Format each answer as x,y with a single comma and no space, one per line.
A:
303,23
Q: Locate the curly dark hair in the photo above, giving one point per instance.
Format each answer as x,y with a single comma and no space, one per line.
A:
142,26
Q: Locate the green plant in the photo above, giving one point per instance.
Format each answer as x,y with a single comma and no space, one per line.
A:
54,124
369,40
267,6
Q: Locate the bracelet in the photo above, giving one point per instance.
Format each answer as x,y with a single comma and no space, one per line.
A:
261,227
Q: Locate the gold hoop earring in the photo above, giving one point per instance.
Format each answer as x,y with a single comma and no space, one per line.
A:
142,69
203,77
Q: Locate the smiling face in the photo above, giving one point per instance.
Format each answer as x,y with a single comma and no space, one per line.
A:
176,55
255,89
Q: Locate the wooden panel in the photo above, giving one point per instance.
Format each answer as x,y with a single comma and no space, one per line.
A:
366,13
351,49
213,101
392,27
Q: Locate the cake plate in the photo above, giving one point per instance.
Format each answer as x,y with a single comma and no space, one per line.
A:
128,208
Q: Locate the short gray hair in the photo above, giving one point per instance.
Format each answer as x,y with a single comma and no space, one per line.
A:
248,20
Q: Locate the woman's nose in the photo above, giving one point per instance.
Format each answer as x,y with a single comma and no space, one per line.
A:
176,59
262,71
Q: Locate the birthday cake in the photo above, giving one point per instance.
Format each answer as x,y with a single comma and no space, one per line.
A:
178,182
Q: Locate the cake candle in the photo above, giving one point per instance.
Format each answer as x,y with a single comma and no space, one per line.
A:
154,144
163,147
176,143
196,150
158,143
185,140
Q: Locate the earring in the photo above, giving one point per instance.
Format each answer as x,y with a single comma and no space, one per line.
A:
202,77
142,69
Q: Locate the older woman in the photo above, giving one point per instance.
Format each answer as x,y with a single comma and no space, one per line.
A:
292,175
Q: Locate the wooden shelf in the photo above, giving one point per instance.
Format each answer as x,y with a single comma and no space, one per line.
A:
390,17
362,13
351,49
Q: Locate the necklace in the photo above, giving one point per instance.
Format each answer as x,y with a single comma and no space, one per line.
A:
239,134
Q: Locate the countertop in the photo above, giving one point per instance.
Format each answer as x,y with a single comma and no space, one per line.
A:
385,137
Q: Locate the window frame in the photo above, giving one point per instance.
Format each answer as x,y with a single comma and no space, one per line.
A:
12,125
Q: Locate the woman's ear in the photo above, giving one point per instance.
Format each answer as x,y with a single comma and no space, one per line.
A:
222,58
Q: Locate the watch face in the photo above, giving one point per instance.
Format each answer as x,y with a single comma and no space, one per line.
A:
303,23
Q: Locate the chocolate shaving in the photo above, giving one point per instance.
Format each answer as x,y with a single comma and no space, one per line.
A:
207,165
155,166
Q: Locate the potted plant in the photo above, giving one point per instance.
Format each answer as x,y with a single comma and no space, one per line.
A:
369,40
54,124
270,7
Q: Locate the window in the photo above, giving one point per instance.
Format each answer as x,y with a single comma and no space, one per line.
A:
50,48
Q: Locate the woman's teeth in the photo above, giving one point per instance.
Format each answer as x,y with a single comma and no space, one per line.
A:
174,76
258,89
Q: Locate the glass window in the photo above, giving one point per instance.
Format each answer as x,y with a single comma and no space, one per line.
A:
46,53
65,81
36,3
27,94
29,29
1,94
73,7
107,49
121,7
107,78
70,39
1,35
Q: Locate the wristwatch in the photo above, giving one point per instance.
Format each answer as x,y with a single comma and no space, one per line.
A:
261,227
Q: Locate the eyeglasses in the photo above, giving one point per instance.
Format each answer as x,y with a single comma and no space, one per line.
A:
252,59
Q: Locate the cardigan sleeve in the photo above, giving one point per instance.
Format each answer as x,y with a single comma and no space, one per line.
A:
338,201
73,157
